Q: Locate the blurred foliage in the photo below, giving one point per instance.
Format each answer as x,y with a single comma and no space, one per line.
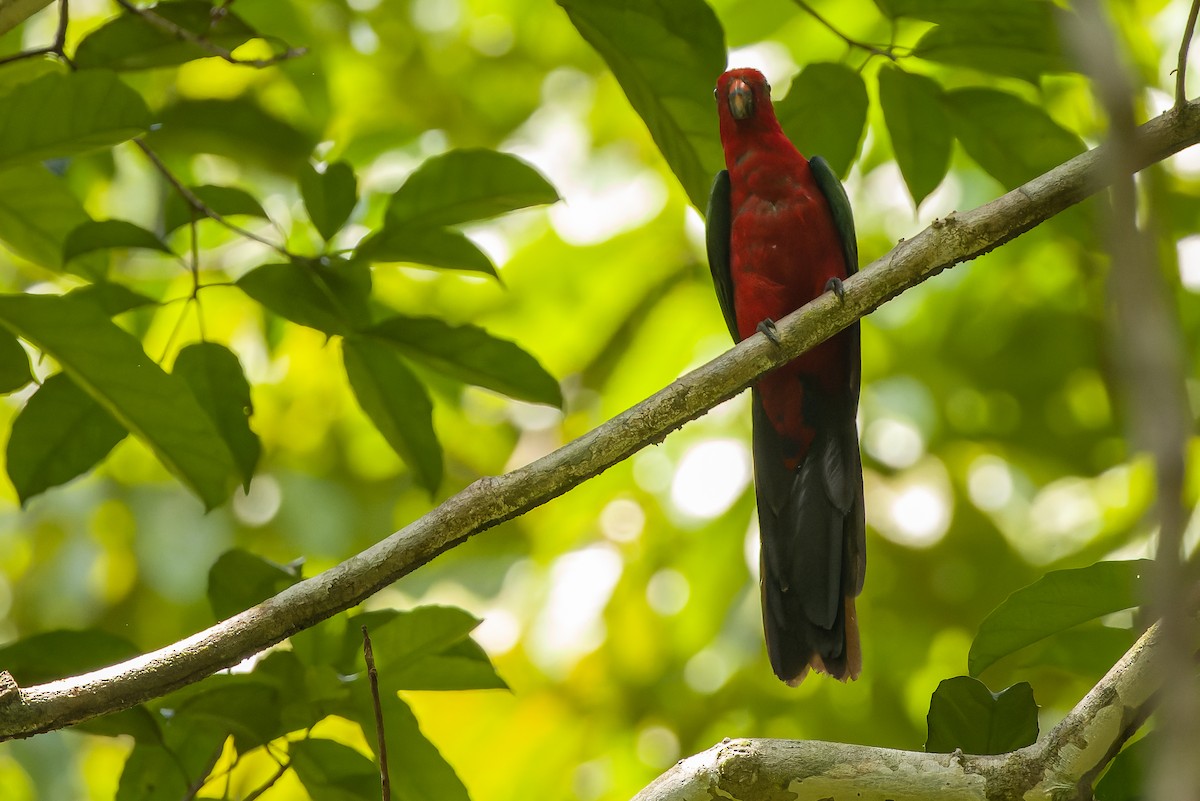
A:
624,616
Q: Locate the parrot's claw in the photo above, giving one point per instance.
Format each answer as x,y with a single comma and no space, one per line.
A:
835,285
767,328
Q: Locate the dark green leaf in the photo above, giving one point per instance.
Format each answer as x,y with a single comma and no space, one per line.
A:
56,654
417,769
14,364
472,355
1011,139
37,211
308,692
462,666
332,299
165,772
465,185
238,129
239,579
228,201
432,247
110,365
214,375
16,73
1056,602
1125,779
917,123
667,57
400,637
1017,38
329,196
129,42
59,435
825,113
113,298
246,709
331,771
397,404
964,713
96,235
137,722
60,114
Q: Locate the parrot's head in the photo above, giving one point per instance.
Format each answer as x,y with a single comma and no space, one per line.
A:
744,102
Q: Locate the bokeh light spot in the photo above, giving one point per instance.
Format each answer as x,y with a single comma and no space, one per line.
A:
710,478
667,592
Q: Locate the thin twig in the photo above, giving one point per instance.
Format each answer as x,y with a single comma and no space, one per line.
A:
1181,67
24,54
870,48
56,49
199,206
283,768
385,780
166,26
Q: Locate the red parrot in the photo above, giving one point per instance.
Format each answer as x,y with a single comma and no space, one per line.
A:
780,232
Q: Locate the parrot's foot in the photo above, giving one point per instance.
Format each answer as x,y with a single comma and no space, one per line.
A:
767,328
835,285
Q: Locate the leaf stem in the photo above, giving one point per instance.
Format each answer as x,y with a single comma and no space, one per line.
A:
870,48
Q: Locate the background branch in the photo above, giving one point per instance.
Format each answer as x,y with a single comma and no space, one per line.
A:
492,500
1062,764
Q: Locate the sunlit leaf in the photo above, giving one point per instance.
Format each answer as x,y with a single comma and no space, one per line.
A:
228,201
60,114
129,42
329,196
472,355
431,247
918,127
106,234
1057,601
37,212
667,56
110,365
397,404
964,713
825,113
214,375
60,434
1012,139
330,299
14,364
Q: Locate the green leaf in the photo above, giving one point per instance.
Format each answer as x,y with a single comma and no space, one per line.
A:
14,364
52,655
1017,38
59,435
401,636
238,129
214,375
245,708
332,299
397,404
37,211
825,113
465,185
110,365
165,772
1056,602
113,298
16,73
228,201
331,771
61,114
470,354
917,123
964,713
129,42
667,56
431,247
417,769
1011,139
96,235
1125,779
239,579
137,722
463,666
329,196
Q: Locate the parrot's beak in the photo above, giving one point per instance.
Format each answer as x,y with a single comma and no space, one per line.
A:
741,100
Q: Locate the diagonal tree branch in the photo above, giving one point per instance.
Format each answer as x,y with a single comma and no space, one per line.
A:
1062,764
492,500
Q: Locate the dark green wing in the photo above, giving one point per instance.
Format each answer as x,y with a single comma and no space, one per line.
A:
843,217
719,222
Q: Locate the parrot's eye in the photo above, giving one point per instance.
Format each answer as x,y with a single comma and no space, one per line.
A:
741,100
